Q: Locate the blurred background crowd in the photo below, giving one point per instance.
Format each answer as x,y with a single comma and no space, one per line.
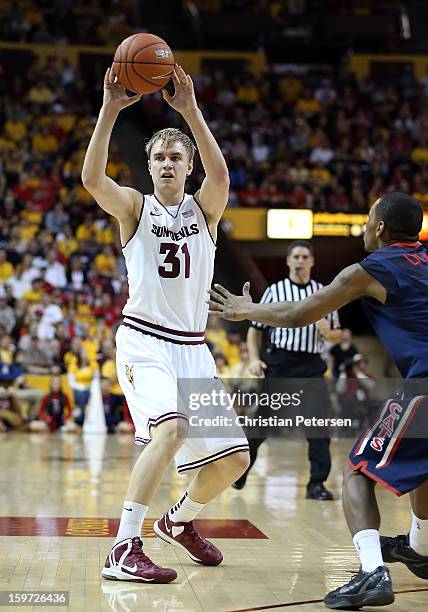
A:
317,139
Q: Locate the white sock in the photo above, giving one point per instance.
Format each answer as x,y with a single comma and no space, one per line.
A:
131,521
418,537
367,543
185,510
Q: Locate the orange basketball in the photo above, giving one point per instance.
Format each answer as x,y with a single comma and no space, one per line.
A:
143,63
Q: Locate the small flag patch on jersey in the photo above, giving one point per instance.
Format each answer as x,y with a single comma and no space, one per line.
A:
188,213
155,212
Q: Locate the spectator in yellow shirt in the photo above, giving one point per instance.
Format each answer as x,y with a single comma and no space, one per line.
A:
27,230
71,356
82,195
34,217
6,144
320,174
290,87
87,231
66,122
109,374
7,350
105,262
248,93
44,142
89,344
231,349
105,233
422,196
40,93
6,268
15,129
307,104
67,243
216,334
35,294
80,376
420,154
114,167
113,396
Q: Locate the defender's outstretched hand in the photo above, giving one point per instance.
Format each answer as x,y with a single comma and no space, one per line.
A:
183,100
230,306
115,94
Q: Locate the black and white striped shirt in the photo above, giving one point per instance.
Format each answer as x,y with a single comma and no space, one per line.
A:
301,339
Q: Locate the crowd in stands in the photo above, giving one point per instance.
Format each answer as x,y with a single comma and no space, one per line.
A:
96,23
90,22
330,145
105,23
62,280
333,145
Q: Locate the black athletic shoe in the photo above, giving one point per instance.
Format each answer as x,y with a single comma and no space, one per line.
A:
365,589
318,491
399,549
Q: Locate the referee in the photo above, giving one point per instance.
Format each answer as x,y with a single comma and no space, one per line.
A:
296,353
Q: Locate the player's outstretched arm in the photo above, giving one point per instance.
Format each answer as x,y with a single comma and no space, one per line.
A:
215,188
121,202
353,282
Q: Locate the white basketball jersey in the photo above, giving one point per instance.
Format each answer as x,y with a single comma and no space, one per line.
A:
170,264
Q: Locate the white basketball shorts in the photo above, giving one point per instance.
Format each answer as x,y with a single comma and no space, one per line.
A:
148,369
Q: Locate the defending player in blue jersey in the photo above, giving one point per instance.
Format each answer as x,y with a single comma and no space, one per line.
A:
393,282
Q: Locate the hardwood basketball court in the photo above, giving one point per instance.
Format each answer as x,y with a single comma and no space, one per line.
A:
61,497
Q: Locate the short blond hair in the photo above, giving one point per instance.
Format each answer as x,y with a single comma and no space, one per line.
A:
168,136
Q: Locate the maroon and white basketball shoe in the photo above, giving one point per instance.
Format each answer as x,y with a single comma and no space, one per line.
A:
126,561
184,535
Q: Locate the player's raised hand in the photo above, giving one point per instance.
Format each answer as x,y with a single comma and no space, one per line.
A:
183,100
230,306
115,95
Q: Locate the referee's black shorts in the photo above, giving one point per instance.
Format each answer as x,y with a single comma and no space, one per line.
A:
300,376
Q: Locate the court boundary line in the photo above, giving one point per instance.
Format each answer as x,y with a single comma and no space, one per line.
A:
311,601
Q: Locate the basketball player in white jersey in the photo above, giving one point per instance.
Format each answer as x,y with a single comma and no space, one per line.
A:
168,242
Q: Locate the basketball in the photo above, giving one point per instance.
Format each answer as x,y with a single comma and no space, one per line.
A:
143,63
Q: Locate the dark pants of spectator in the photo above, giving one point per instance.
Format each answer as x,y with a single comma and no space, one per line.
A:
113,411
81,399
360,411
308,371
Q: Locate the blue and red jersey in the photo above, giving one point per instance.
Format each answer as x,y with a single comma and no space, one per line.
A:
402,322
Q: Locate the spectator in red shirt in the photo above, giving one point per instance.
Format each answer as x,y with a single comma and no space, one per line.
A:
106,310
55,410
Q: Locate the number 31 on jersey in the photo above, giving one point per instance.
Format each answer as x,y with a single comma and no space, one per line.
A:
175,257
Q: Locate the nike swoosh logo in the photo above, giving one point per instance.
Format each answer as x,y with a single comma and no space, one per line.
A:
130,569
129,509
155,214
177,530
